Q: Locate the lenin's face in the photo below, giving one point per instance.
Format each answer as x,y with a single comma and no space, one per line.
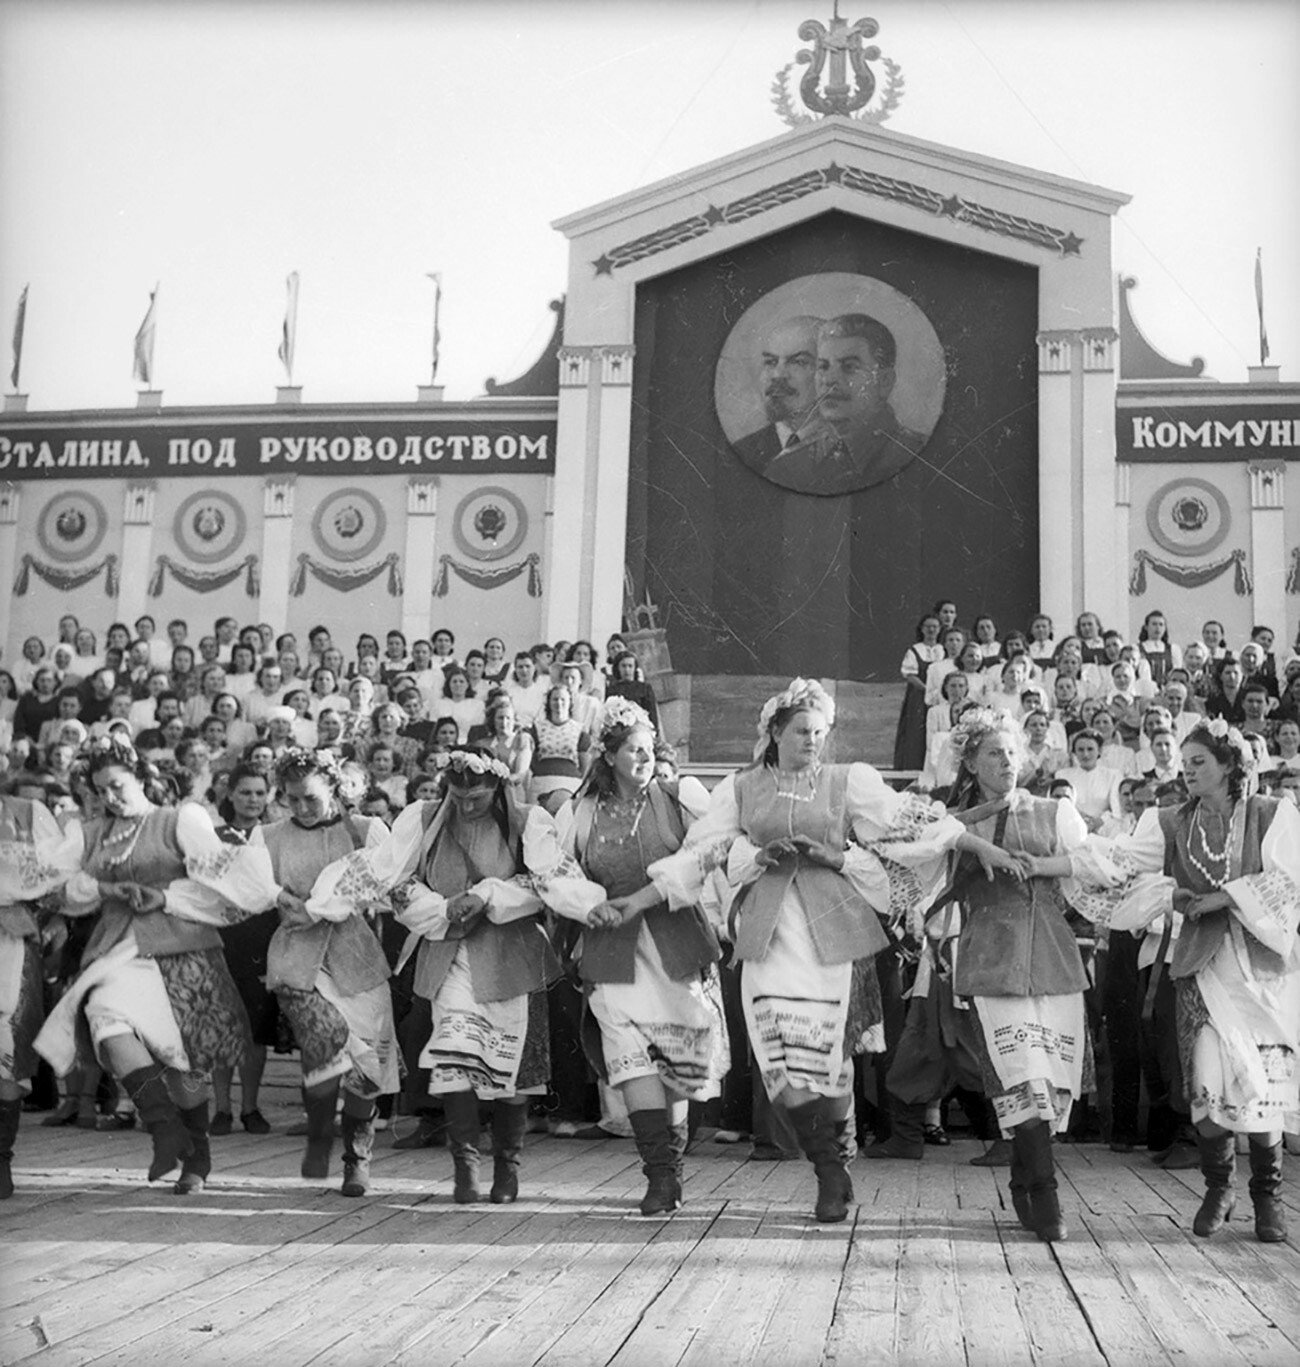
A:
852,388
789,364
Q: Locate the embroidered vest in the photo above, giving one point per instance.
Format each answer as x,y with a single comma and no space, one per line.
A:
349,951
684,939
16,826
842,923
155,861
1014,939
504,961
1199,940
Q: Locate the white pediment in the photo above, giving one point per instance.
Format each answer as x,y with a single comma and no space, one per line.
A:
1058,225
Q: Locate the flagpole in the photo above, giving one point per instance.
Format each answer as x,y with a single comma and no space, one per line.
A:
20,327
1259,305
436,277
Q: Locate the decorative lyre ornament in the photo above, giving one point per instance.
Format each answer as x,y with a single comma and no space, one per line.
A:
840,48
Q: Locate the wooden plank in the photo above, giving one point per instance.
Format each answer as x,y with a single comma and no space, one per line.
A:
1115,1306
596,1335
1056,1330
692,1298
867,1309
929,1326
763,1323
992,1332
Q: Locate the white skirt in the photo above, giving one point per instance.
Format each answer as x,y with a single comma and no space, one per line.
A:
1037,1046
796,1012
1243,1065
475,1045
655,1027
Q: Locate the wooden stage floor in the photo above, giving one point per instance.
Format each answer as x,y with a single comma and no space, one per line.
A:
265,1269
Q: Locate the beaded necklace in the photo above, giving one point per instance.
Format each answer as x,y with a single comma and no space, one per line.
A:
1214,858
625,812
125,833
797,785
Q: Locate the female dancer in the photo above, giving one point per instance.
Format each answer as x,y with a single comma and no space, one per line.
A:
1018,964
35,859
652,983
162,1008
1228,866
483,964
328,969
806,931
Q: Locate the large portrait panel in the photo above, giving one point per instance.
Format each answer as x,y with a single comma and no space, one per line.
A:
823,569
830,383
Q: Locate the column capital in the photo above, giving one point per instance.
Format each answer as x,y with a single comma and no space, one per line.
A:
616,364
277,496
11,499
1123,484
1267,483
1099,348
137,502
1055,351
422,497
575,366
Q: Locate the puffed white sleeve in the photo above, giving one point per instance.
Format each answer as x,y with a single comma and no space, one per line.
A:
679,878
223,883
368,875
898,863
1268,903
30,869
1118,881
550,845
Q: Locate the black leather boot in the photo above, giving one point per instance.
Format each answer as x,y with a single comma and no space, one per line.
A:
1266,1191
198,1163
10,1114
1019,1184
358,1145
158,1113
509,1125
321,1103
814,1124
1219,1168
463,1129
906,1134
1035,1144
654,1142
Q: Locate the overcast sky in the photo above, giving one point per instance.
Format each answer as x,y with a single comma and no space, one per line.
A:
216,147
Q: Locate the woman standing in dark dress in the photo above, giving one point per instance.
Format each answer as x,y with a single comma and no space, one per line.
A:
909,742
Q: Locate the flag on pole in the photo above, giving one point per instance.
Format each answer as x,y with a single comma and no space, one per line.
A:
20,324
1259,304
142,370
436,277
289,333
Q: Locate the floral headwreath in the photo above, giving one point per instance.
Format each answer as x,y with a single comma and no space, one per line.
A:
974,728
107,749
1218,727
470,762
802,694
313,761
622,714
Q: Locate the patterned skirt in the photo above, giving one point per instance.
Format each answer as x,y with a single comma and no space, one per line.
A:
207,1007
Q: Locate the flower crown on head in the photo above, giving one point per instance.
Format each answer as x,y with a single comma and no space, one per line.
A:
802,694
1218,727
318,761
971,731
110,748
470,762
623,714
